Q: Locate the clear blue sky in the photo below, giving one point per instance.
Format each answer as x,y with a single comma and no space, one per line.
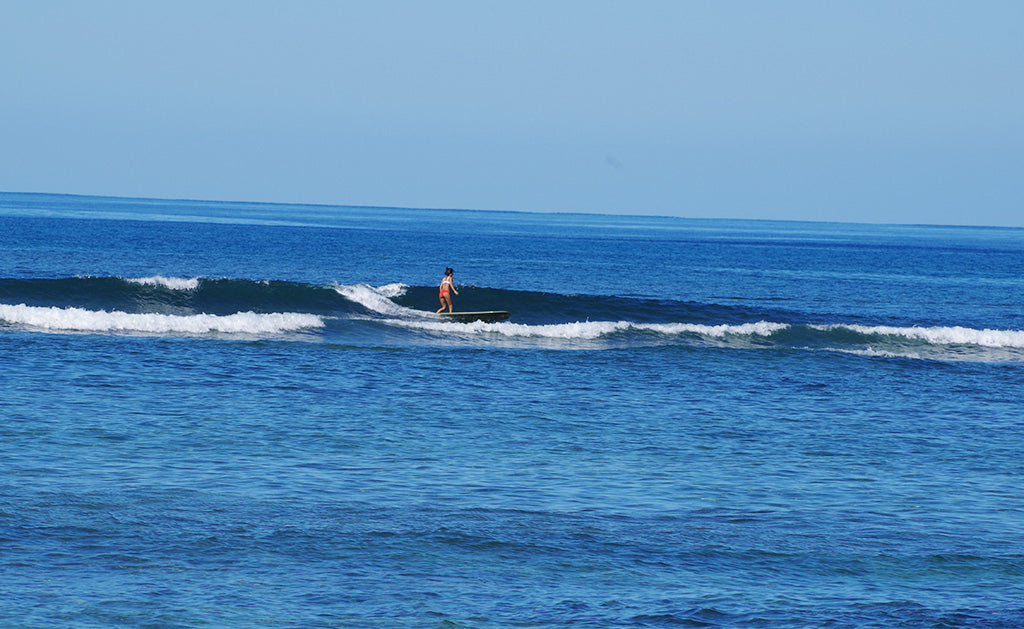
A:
905,111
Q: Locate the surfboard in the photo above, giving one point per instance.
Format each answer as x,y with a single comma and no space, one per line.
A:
488,316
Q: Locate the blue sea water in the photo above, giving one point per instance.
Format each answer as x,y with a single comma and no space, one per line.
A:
234,414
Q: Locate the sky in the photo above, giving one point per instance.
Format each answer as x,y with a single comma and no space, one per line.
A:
870,111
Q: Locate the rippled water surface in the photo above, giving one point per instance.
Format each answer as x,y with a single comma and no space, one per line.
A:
247,415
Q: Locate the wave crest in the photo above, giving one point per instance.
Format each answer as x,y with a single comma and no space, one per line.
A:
955,335
173,283
378,300
82,320
589,330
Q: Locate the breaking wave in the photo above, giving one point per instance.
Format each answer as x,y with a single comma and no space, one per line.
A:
173,283
596,329
81,320
956,335
396,314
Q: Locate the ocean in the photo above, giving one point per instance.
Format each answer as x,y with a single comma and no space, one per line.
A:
222,414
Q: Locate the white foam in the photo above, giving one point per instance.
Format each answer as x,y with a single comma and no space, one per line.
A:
578,330
587,330
173,283
81,320
393,290
761,328
378,299
941,335
874,353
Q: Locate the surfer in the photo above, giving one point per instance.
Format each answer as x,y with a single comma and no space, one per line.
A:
447,286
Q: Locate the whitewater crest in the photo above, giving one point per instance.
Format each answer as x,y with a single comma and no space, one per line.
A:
82,320
173,283
590,330
916,343
955,335
378,300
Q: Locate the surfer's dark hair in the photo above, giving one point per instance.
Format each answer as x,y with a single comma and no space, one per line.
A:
449,270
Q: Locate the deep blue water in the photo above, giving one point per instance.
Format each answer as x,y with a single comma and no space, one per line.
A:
234,414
